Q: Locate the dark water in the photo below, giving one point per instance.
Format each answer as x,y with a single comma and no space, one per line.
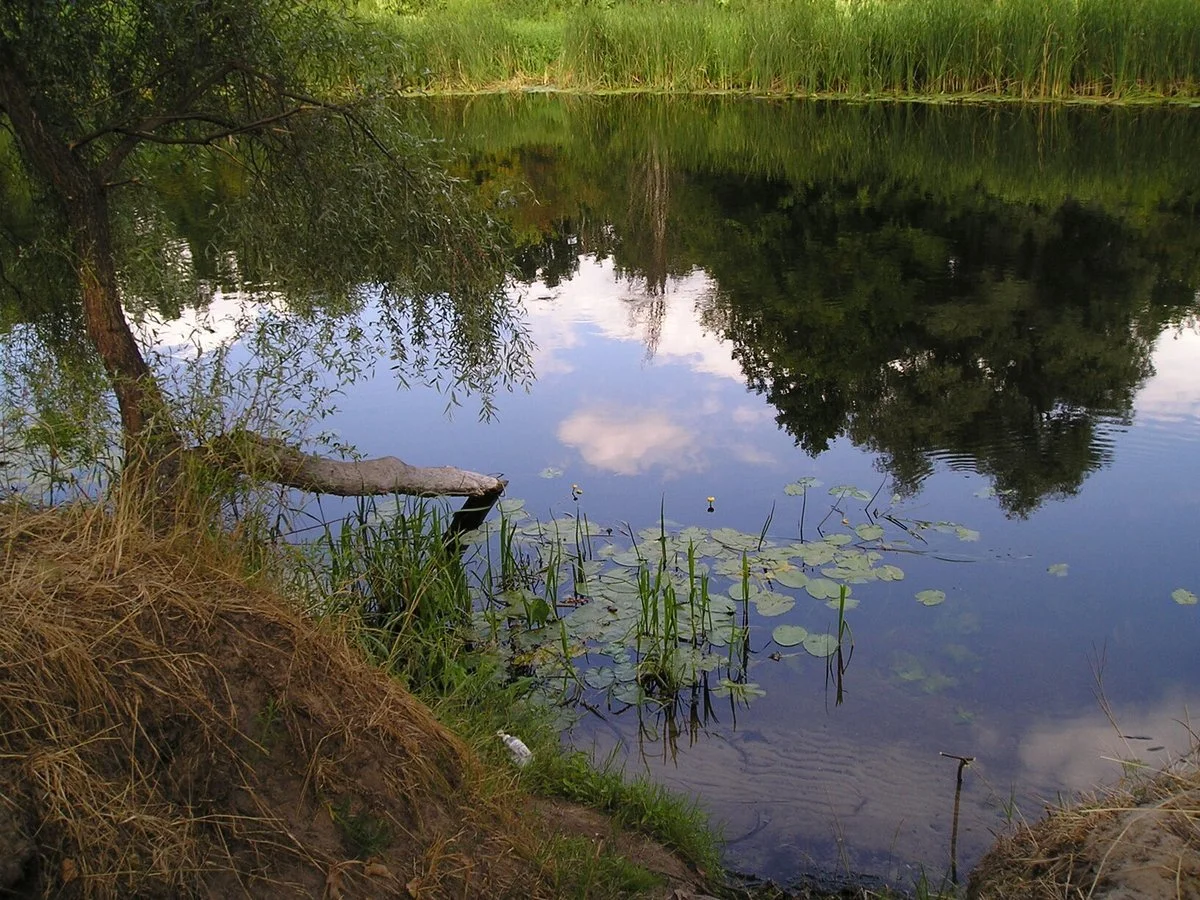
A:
987,312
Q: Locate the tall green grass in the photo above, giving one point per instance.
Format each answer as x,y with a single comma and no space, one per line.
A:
1008,48
394,577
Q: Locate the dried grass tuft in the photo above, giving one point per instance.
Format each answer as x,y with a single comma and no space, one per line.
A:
168,729
1140,839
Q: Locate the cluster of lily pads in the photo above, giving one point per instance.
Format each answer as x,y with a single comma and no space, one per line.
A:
642,615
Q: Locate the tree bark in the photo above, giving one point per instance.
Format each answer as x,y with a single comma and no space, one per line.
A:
274,461
149,435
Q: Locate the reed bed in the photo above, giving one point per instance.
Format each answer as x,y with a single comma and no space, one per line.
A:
1028,49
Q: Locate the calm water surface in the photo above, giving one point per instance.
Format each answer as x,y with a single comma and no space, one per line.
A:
989,313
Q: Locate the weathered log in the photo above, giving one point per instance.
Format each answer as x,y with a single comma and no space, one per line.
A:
275,461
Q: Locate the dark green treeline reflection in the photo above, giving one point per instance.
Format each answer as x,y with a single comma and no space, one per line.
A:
978,283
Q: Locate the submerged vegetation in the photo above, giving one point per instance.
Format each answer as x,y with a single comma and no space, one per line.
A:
1022,49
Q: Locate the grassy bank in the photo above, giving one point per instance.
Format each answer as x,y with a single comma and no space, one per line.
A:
1023,49
177,725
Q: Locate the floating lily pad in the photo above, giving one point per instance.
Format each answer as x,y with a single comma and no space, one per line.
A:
798,487
510,507
740,690
931,598
599,678
550,472
738,591
735,540
966,534
849,490
820,645
823,589
789,635
790,577
629,558
769,603
721,606
1183,597
1059,569
869,532
836,603
890,573
819,553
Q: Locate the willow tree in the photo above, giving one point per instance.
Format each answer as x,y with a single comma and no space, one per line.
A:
95,92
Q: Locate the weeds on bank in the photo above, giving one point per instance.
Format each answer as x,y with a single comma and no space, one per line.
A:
1029,49
398,583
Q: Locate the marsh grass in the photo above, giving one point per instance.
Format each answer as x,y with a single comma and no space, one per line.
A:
398,587
1029,49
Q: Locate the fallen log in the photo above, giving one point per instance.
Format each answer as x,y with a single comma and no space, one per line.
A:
273,460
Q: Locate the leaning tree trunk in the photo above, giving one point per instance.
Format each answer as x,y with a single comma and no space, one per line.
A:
151,442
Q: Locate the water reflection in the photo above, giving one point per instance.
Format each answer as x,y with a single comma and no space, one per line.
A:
878,272
975,299
630,441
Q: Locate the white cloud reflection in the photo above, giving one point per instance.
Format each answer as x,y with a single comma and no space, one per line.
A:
1173,394
1081,752
629,441
598,298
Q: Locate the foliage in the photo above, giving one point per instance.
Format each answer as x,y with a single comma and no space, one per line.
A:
1020,48
390,576
669,619
234,148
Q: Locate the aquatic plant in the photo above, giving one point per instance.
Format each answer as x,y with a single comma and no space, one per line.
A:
1020,48
654,614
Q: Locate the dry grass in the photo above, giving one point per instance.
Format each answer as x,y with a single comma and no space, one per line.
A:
167,729
1139,840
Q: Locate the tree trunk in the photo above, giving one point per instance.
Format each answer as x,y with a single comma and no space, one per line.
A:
272,460
150,439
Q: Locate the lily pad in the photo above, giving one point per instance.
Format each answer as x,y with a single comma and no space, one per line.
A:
823,589
735,540
629,558
819,553
721,606
550,472
836,603
789,635
1183,597
869,532
799,486
790,577
738,591
891,573
769,603
599,678
966,534
820,645
849,490
931,598
738,690
1059,569
510,507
